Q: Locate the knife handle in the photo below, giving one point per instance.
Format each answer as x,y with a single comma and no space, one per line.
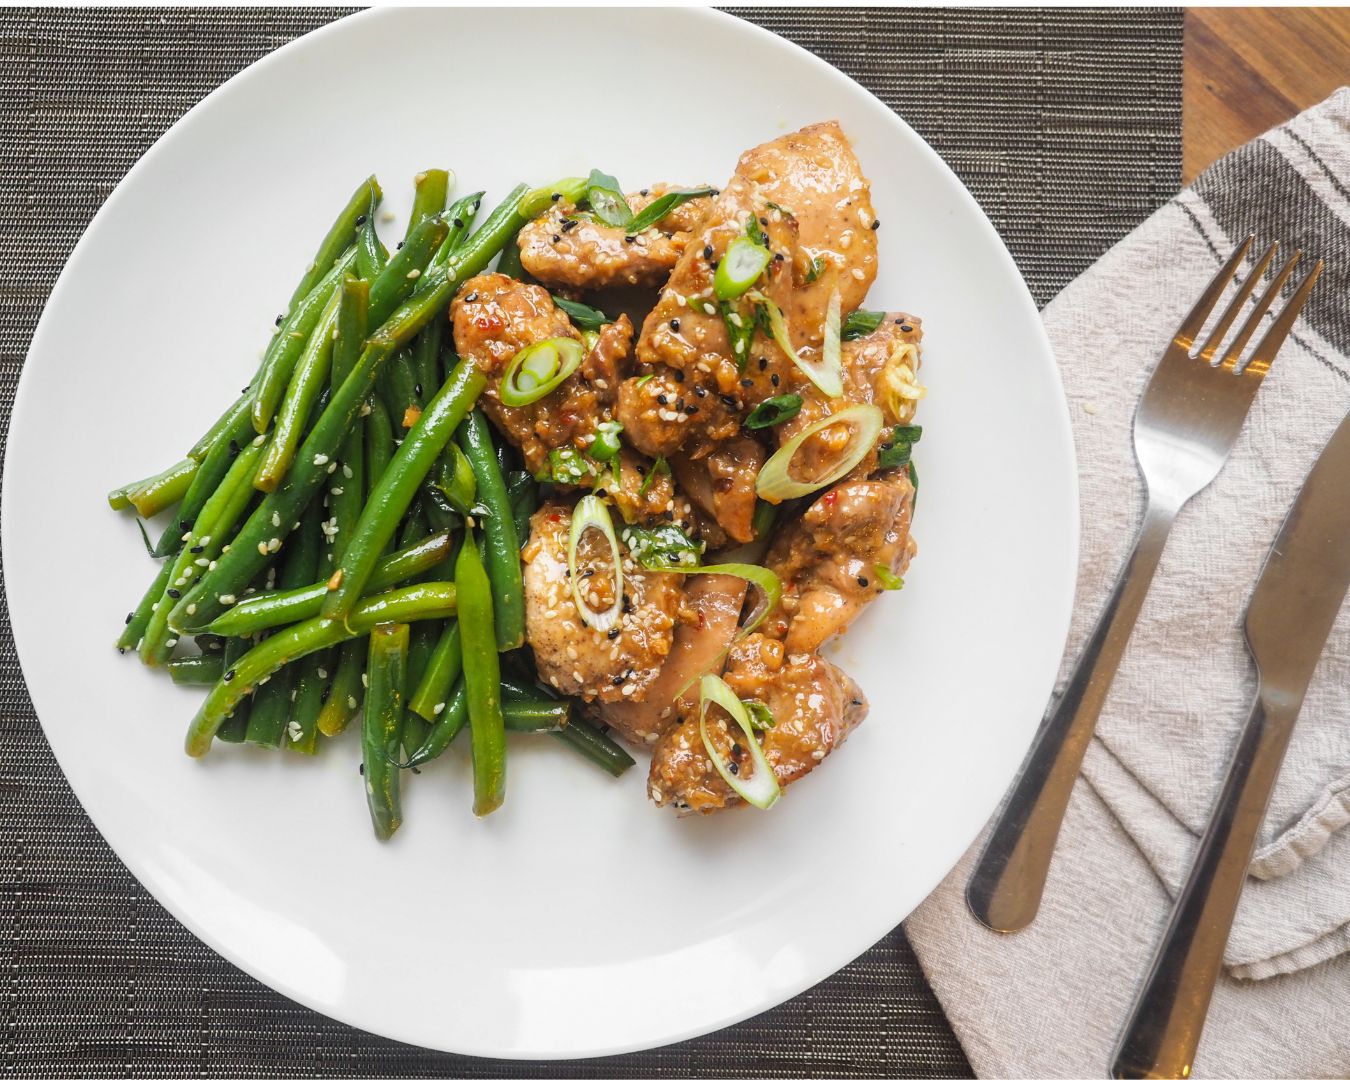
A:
1164,1028
1004,891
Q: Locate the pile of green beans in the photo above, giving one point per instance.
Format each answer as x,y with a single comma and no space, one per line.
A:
320,548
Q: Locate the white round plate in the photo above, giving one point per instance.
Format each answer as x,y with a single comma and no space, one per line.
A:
579,919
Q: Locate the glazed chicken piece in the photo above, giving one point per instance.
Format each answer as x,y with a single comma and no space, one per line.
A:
709,616
562,249
880,368
814,705
722,484
494,317
572,656
827,559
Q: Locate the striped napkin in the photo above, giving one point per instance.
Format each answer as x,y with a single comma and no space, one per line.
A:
1050,1000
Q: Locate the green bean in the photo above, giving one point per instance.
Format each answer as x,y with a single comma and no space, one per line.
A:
398,389
414,526
508,262
396,282
482,678
288,342
399,484
517,716
235,728
291,604
425,360
431,189
524,495
501,543
532,716
415,732
348,489
212,471
382,726
273,703
595,746
364,199
209,534
137,620
460,219
371,255
311,680
196,670
435,600
308,379
420,644
379,439
155,493
438,677
342,701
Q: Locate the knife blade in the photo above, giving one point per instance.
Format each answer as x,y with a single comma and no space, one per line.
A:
1306,575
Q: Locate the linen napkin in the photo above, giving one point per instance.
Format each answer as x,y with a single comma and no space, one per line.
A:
1050,1000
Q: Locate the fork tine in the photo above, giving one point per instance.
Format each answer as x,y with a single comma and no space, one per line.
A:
1190,326
1236,305
1270,342
1233,357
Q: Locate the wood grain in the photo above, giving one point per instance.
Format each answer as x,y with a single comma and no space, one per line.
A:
1248,69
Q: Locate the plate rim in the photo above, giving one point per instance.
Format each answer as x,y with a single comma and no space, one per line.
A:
715,20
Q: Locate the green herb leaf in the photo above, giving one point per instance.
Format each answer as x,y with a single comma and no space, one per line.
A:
761,716
861,323
755,232
583,316
646,379
886,579
607,200
660,467
662,547
781,209
914,479
895,451
817,265
766,514
740,331
774,411
659,208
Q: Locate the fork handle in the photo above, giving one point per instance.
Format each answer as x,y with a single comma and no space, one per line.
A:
1004,891
1164,1028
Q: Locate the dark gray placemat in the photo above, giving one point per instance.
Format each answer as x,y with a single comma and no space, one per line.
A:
1065,124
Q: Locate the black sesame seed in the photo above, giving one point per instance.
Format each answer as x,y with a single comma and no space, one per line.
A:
700,391
627,605
130,615
613,633
588,573
733,768
556,238
729,401
197,550
737,751
857,701
707,251
643,192
616,680
398,246
174,593
862,581
555,196
234,447
764,221
778,256
661,399
279,318
630,239
675,325
679,375
715,263
459,223
875,225
361,767
361,220
691,409
121,651
907,328
569,224
185,524
747,382
669,515
774,378
228,676
471,297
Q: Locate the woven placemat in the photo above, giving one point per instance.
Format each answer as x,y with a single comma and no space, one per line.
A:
1066,126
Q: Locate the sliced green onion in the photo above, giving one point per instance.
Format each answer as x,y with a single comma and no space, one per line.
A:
591,513
817,265
644,380
831,351
740,332
760,789
754,232
914,482
740,268
566,466
861,323
660,467
663,547
898,446
583,316
774,411
607,200
766,514
539,369
887,579
659,208
761,716
607,444
775,482
828,377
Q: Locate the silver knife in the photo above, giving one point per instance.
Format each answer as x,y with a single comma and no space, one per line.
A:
1289,616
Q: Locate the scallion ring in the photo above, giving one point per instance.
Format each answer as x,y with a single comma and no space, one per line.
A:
776,483
591,513
827,372
760,789
741,265
539,369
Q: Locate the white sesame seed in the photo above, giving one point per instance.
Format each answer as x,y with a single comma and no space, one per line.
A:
202,562
577,675
652,736
628,690
225,549
347,471
323,674
276,519
293,729
337,490
171,642
365,409
259,440
226,598
192,609
414,274
858,274
438,709
212,564
332,467
387,215
656,795
262,547
351,702
320,459
274,544
365,681
571,653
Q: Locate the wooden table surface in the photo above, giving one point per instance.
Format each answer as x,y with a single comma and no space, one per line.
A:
1248,69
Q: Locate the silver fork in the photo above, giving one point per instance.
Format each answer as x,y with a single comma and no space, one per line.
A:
1184,429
